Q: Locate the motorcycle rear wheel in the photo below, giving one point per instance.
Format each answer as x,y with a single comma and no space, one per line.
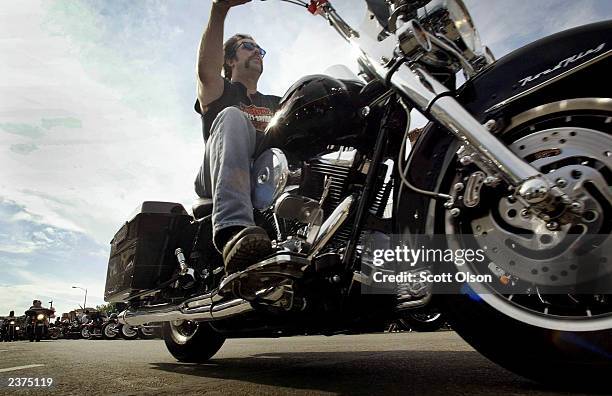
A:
85,333
191,342
569,354
423,322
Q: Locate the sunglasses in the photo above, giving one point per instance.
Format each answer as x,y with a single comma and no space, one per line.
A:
250,47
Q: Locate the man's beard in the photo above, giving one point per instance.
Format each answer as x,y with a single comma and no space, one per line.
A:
247,64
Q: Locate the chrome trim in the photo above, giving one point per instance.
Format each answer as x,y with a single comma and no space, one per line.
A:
205,310
231,308
557,107
548,82
461,123
269,175
467,66
331,225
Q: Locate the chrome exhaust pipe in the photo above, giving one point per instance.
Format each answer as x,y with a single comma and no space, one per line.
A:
200,309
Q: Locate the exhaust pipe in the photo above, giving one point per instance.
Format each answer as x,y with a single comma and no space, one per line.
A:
213,306
199,309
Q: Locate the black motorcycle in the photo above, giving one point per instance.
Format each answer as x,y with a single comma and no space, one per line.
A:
506,193
95,327
70,329
9,329
37,323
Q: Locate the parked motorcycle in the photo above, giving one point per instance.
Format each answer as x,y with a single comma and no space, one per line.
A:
94,328
111,327
515,164
55,331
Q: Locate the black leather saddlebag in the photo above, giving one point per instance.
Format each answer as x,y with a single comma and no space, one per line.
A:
142,251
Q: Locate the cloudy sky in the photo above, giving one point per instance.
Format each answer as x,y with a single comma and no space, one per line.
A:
96,115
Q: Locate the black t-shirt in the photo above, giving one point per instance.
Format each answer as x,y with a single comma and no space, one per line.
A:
259,108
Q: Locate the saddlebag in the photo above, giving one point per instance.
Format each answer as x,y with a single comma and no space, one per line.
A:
142,251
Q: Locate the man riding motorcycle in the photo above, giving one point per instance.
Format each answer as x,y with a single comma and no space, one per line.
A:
9,328
37,321
234,115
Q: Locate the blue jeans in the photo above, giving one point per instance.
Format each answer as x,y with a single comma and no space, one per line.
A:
225,174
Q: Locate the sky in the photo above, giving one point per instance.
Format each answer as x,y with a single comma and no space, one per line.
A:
96,115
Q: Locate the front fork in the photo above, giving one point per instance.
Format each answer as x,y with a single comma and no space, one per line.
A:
479,146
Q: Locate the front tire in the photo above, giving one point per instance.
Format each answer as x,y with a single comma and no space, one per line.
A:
191,342
524,336
108,331
128,332
85,333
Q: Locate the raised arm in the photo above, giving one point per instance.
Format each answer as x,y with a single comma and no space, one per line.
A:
210,53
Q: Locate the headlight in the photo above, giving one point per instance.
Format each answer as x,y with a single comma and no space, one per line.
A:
40,317
12,322
16,327
463,22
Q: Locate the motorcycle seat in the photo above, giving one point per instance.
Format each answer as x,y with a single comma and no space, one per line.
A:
202,207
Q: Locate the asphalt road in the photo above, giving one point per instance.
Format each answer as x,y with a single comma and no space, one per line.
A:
393,363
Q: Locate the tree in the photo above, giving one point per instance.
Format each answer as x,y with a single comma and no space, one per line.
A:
107,308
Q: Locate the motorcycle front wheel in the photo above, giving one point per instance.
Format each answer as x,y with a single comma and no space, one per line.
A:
85,333
191,342
109,332
561,338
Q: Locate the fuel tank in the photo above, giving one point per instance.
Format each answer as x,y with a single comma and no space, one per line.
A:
317,111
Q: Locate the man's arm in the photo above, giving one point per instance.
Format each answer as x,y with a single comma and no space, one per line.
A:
210,54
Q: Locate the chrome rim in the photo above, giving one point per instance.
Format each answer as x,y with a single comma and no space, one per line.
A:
128,331
578,155
108,332
182,331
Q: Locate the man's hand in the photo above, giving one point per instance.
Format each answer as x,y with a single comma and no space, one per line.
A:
227,4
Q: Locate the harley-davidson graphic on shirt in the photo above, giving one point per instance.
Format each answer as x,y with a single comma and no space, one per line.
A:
258,108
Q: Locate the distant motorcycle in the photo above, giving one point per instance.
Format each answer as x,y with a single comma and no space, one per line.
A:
9,330
110,328
37,323
55,331
93,328
70,329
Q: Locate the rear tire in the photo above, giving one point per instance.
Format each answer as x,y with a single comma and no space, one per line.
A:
422,322
191,342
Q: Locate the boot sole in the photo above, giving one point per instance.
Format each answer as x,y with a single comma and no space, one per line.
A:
247,251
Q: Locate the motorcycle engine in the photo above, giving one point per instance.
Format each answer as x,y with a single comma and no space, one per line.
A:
290,196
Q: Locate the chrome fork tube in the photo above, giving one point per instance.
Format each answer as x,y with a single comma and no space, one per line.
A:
424,91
